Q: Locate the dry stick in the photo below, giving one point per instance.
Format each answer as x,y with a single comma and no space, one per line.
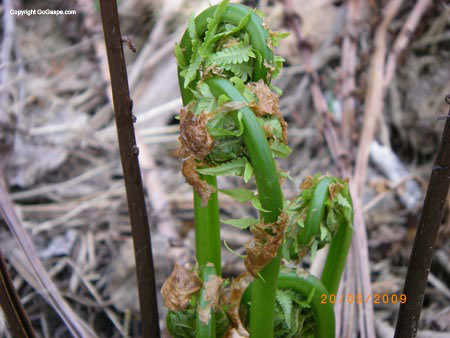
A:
422,252
374,97
372,110
403,38
348,66
130,165
17,318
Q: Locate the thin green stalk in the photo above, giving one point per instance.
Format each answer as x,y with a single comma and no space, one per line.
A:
207,229
271,197
337,254
337,257
205,329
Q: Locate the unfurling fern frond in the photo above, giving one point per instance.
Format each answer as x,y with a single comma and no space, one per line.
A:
181,61
233,55
241,70
285,298
190,73
279,149
235,167
213,23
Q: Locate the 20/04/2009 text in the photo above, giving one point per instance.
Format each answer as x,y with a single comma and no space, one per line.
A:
376,298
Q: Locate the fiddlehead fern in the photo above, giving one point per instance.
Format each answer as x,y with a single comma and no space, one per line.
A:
231,125
225,64
322,214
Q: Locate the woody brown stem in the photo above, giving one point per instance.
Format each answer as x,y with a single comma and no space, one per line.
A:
423,248
131,170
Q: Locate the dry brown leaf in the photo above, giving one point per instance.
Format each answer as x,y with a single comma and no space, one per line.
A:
307,183
264,246
230,106
232,297
179,287
194,137
212,295
267,101
211,71
193,178
267,104
334,189
230,43
196,143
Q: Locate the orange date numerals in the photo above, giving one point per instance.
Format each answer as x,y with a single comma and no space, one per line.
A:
351,298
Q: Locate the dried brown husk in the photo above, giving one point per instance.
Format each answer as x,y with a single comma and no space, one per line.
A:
270,70
334,189
188,169
232,297
230,42
212,295
265,244
179,287
196,143
211,71
230,106
194,137
307,183
267,103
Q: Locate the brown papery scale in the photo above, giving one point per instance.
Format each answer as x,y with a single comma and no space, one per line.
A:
212,294
196,143
179,287
265,244
194,137
267,104
232,297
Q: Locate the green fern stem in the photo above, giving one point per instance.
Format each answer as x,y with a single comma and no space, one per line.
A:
207,228
337,257
205,329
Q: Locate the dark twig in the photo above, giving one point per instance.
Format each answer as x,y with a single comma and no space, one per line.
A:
133,182
17,318
422,252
